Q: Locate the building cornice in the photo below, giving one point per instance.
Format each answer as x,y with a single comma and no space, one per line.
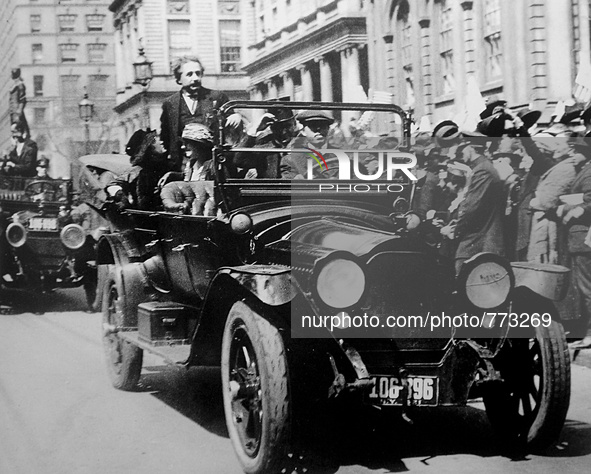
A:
341,33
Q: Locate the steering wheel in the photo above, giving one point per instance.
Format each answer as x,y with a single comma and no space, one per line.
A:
47,188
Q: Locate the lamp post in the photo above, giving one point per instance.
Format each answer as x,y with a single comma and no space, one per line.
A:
142,71
86,109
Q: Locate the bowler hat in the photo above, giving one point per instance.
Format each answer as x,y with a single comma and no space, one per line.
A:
493,108
529,117
494,125
314,116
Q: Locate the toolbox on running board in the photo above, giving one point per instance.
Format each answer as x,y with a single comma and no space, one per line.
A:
162,322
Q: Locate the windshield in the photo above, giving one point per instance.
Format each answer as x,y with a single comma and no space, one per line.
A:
314,149
17,188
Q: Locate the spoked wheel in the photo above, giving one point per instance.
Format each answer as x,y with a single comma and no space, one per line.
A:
124,360
256,390
529,407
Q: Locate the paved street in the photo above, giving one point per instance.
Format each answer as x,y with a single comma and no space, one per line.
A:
59,414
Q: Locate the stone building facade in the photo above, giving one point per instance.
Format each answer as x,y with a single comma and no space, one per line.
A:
426,52
216,31
309,50
63,48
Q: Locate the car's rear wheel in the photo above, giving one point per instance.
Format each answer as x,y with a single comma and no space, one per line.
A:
124,360
256,390
529,407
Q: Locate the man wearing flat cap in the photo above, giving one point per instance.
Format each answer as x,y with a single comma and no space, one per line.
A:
480,216
314,134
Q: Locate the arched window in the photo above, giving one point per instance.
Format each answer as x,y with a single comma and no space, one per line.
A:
492,39
404,27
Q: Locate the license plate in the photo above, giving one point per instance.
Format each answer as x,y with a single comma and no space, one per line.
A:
42,223
388,390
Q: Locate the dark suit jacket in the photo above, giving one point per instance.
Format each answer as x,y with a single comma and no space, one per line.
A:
171,127
480,222
578,228
26,162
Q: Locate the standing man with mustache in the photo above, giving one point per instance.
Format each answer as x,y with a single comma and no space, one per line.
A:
192,104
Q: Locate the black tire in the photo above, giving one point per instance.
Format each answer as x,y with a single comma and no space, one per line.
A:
256,390
124,360
529,407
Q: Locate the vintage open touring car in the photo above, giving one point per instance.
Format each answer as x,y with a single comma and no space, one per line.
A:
44,243
232,289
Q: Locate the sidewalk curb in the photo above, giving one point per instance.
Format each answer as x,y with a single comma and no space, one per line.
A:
581,357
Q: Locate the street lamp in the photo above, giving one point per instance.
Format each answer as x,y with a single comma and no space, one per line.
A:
142,71
86,109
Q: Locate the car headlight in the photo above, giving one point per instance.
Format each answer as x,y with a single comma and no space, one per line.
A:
16,234
73,236
340,283
486,280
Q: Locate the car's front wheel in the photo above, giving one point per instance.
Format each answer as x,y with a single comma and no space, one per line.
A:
256,390
529,406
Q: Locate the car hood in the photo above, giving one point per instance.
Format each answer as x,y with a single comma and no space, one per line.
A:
336,235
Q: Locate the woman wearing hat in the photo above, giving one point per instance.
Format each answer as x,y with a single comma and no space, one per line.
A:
137,187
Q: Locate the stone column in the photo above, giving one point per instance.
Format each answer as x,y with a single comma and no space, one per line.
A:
120,74
271,89
325,80
425,23
307,86
352,70
256,94
469,40
288,88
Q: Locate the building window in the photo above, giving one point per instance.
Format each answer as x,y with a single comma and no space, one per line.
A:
178,7
179,37
35,23
68,52
230,45
446,47
39,115
229,7
405,28
37,50
492,39
97,85
38,86
96,52
70,87
66,23
95,22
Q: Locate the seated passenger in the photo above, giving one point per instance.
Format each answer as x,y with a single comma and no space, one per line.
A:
198,164
276,129
42,168
314,135
137,187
